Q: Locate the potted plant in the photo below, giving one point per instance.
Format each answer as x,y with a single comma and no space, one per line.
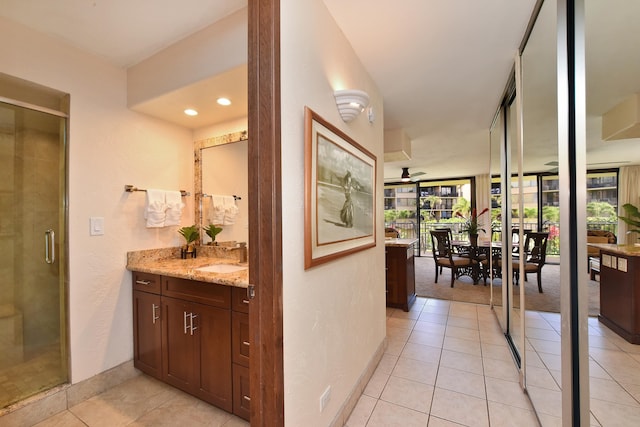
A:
212,231
472,226
190,235
632,217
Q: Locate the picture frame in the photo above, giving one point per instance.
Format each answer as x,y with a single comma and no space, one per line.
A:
340,193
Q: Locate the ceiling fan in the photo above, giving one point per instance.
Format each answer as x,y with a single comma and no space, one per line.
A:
406,176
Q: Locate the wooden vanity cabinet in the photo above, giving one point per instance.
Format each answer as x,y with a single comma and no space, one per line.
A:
147,329
194,336
196,339
197,353
400,276
240,346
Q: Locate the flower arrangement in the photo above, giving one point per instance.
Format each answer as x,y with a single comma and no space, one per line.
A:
471,224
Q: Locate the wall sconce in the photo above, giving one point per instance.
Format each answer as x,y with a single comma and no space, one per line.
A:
351,103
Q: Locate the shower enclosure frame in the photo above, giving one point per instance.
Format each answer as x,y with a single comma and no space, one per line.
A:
60,103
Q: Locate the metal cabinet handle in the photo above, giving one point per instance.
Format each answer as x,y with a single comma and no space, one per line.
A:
49,246
153,313
185,322
247,398
246,343
143,282
245,301
193,328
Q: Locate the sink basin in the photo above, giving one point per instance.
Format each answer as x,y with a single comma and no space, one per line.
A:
222,268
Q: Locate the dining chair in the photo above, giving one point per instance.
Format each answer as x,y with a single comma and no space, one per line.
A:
391,232
444,256
534,255
515,239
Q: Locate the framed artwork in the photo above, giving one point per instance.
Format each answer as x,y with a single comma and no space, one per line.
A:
340,193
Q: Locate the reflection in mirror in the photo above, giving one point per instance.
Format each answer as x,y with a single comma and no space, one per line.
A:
540,189
495,148
511,263
221,186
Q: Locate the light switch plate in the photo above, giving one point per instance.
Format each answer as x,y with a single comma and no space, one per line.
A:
96,224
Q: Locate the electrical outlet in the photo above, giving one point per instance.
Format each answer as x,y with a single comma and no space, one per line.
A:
324,398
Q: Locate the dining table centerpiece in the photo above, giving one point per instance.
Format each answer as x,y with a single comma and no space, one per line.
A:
472,226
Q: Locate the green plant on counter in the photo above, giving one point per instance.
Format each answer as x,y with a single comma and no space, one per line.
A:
189,233
632,217
212,231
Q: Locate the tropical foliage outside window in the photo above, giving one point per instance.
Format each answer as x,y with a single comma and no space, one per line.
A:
414,209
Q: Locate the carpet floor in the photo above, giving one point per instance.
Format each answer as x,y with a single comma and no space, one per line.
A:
465,291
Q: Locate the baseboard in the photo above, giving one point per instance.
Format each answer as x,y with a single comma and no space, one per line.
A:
48,403
352,399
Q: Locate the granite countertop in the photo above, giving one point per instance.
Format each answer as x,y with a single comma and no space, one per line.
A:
629,250
167,262
402,243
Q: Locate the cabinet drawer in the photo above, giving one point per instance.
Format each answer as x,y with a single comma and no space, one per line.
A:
146,282
202,292
239,300
240,343
241,399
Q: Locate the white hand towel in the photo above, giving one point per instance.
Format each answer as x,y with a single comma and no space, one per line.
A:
155,210
216,213
174,208
230,210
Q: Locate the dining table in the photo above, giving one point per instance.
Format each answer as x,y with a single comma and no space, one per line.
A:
480,253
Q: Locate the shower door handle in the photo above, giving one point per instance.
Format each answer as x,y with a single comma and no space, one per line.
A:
49,246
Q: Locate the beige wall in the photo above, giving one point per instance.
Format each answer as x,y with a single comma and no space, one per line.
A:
212,50
334,314
109,146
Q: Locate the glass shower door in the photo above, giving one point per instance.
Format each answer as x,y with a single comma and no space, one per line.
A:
33,350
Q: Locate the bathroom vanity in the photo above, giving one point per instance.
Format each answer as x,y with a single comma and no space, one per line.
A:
191,323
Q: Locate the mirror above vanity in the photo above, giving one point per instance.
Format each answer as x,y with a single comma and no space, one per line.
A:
221,187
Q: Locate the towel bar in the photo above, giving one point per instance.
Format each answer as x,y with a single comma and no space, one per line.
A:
131,189
234,196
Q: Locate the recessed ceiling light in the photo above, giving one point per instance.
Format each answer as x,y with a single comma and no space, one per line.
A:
190,112
223,101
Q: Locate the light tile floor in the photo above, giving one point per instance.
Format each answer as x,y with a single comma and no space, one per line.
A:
448,364
143,401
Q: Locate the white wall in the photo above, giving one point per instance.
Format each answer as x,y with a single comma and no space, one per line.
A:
109,146
334,314
219,47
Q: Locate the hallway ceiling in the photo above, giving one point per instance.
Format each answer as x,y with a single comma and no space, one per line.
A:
441,65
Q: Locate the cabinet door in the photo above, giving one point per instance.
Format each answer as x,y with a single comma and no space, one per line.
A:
241,399
240,338
213,355
147,333
178,368
392,279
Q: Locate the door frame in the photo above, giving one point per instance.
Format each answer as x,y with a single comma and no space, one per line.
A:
266,370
